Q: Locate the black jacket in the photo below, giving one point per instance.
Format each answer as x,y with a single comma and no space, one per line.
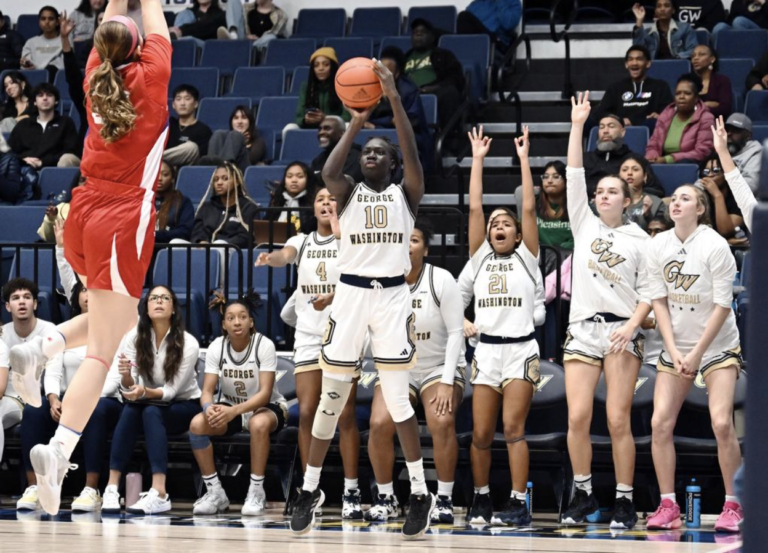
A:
741,8
206,25
702,13
29,140
634,101
180,221
11,44
210,216
75,86
351,164
601,164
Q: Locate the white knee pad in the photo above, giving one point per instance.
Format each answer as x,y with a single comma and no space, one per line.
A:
333,398
396,392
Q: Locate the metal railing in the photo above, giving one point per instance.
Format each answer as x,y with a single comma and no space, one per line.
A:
563,35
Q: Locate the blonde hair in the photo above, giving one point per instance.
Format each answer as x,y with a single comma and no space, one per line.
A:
701,200
236,177
109,98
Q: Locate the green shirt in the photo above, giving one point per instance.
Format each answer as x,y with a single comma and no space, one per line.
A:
418,68
323,98
675,135
554,233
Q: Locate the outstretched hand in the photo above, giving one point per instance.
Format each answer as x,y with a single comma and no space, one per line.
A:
639,11
580,108
66,25
386,78
481,145
360,116
720,136
522,144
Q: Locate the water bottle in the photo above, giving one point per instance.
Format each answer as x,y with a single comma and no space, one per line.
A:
529,497
133,485
693,505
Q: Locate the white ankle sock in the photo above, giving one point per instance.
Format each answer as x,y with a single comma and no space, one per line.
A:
520,496
623,490
482,490
732,499
53,343
445,488
416,474
583,482
386,489
211,480
67,440
672,497
311,478
350,484
257,482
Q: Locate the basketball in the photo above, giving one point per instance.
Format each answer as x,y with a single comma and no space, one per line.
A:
356,84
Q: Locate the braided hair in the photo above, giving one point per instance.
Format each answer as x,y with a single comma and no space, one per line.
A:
236,177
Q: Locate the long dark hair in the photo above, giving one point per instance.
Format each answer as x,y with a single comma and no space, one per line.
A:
86,8
650,176
277,196
313,89
26,90
543,207
251,120
145,348
171,200
74,299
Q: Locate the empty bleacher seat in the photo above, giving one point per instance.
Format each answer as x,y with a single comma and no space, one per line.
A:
760,133
20,223
321,23
402,42
289,53
226,55
441,17
215,112
741,44
27,25
673,175
299,77
703,36
53,182
669,71
60,82
74,115
353,47
737,70
194,181
276,112
257,177
204,79
258,82
756,107
474,53
184,53
300,145
636,139
376,22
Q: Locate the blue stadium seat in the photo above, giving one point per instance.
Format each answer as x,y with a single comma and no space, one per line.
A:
205,79
34,77
20,223
442,17
402,42
184,54
376,22
289,53
74,115
757,105
321,23
270,138
760,133
474,53
737,70
300,76
226,55
53,181
258,82
215,112
276,112
60,82
741,44
669,71
300,145
194,181
702,34
257,177
429,103
636,139
673,175
27,25
348,48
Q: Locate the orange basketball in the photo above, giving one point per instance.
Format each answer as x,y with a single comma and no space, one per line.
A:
357,86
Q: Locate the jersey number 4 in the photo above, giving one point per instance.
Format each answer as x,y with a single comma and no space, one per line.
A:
376,216
321,272
497,284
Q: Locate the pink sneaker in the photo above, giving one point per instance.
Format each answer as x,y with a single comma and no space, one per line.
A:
731,517
666,517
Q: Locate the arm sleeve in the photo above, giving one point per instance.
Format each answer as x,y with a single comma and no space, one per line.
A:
477,259
743,195
576,195
26,51
539,302
640,35
156,61
199,233
267,355
46,231
296,242
183,228
656,143
66,274
258,151
643,284
690,41
186,371
723,268
54,373
466,284
509,14
301,105
279,27
453,317
656,288
213,357
288,312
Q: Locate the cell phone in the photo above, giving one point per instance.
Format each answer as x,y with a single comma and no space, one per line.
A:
311,110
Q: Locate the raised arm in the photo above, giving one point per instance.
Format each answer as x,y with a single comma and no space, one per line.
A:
580,109
739,187
116,7
277,259
153,18
339,184
481,145
413,174
576,184
528,211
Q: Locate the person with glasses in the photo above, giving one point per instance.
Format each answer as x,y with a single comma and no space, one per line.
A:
158,383
552,208
724,211
737,183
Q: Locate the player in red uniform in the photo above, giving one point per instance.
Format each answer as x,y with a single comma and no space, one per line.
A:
109,234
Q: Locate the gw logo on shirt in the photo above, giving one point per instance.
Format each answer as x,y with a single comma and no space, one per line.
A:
603,247
673,275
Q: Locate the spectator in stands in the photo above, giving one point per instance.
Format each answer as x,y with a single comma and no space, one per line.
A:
666,39
84,18
318,98
747,153
496,18
610,149
702,14
724,211
638,97
332,128
659,224
18,102
758,77
228,215
175,214
11,45
745,15
11,406
717,93
160,387
57,211
552,211
683,131
241,144
200,22
260,21
637,173
434,70
49,140
20,295
297,189
44,50
187,137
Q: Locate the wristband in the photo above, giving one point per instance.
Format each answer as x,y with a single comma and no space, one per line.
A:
206,406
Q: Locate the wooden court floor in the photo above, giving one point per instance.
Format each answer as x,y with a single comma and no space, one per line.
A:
179,532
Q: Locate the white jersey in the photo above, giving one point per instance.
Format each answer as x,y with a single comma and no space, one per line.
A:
505,291
10,339
609,266
439,321
694,276
316,259
238,372
375,233
743,195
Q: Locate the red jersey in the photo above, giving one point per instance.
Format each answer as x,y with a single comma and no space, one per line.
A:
135,159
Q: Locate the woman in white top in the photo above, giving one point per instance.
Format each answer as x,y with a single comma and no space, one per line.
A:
315,255
505,368
743,194
159,385
242,364
610,299
11,406
692,272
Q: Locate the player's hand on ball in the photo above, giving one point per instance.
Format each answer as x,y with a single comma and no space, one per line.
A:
359,117
387,79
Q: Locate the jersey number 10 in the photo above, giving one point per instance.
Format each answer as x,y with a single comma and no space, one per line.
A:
376,216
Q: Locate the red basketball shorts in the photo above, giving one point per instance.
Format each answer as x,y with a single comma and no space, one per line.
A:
109,235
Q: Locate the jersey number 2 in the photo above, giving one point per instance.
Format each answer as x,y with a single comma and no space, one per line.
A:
240,388
375,216
497,284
